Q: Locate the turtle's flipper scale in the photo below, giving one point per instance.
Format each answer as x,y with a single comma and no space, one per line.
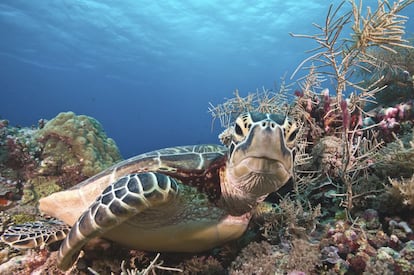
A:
121,200
35,234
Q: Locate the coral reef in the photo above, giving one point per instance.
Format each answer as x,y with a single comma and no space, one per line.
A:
287,219
262,258
201,265
327,156
27,263
395,69
37,161
58,154
256,258
19,152
9,192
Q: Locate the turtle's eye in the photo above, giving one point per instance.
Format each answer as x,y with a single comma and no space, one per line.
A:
290,130
242,127
238,130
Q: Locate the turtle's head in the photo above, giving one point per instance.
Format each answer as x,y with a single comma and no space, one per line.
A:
260,159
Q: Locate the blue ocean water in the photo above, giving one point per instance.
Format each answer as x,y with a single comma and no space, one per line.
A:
147,69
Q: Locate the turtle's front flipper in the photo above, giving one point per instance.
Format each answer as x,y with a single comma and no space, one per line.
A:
35,234
123,199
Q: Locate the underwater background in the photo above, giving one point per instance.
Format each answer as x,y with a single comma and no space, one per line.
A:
147,70
78,79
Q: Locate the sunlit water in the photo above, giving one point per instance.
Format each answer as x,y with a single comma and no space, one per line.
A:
146,69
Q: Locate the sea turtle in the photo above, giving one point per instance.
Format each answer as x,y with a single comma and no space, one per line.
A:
181,199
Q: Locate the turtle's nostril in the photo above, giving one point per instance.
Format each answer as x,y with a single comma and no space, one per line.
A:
268,124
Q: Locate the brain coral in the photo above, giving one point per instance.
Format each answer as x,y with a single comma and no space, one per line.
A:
75,145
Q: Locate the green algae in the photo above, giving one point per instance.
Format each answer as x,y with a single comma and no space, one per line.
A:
44,187
23,218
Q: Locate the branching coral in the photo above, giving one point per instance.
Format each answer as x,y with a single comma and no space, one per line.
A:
394,72
337,58
335,138
341,147
265,101
336,118
383,27
403,191
323,117
397,69
155,264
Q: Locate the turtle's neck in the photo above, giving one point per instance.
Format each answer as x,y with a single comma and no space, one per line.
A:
239,198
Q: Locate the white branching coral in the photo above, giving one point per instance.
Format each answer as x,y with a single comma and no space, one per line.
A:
264,101
383,27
